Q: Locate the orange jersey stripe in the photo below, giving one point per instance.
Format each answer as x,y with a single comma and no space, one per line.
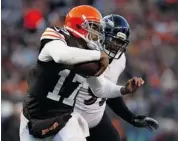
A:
46,34
53,33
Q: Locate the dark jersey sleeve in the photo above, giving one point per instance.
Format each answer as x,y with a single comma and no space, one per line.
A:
119,107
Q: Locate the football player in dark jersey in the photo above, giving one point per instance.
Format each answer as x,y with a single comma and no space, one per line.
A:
54,83
117,39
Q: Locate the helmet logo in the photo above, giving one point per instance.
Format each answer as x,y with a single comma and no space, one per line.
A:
109,22
121,35
83,17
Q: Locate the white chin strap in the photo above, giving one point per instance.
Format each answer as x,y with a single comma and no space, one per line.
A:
109,53
91,44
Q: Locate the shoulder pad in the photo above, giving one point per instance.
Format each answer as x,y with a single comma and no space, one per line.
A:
51,33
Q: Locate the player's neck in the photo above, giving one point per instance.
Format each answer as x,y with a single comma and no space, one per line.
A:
81,42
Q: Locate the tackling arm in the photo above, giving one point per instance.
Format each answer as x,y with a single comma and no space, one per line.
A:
101,87
105,85
119,107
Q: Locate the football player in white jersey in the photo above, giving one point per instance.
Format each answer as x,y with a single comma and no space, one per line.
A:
91,107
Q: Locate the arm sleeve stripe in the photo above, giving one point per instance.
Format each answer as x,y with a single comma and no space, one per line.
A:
49,37
53,35
52,38
54,32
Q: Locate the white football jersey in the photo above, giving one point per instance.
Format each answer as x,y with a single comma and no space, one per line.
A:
91,107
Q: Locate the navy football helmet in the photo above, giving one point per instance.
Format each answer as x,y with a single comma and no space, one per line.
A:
117,33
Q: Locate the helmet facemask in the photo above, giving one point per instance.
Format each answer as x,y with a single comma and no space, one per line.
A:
115,46
95,36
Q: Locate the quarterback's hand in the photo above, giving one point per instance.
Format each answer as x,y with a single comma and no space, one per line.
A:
104,62
145,122
132,85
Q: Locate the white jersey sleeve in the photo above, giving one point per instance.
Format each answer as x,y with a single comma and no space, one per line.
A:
61,53
58,50
102,87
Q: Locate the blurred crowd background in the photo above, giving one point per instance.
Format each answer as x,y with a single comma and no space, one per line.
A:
152,54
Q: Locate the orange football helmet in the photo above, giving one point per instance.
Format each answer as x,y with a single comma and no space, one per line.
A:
86,22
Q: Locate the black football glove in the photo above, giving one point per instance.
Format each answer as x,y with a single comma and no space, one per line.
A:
145,122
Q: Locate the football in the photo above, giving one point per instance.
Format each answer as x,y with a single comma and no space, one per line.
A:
87,68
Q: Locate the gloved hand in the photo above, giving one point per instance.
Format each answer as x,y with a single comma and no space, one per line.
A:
145,122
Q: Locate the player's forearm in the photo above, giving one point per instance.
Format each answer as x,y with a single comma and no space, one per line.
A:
104,88
74,55
119,107
61,53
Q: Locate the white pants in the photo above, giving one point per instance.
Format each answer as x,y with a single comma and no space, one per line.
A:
92,116
76,129
93,119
